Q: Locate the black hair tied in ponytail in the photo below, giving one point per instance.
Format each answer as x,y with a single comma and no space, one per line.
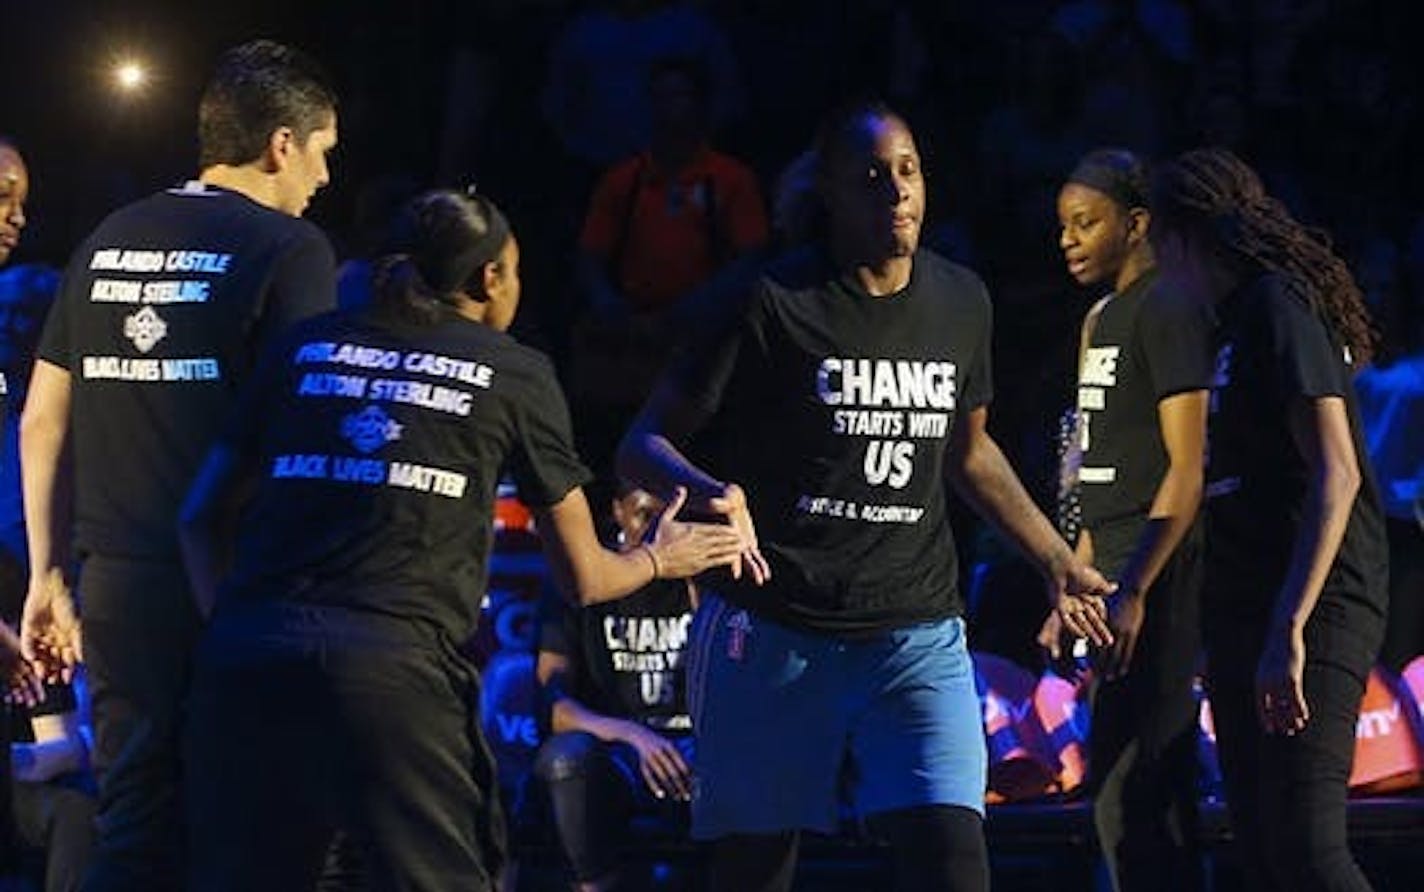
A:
447,238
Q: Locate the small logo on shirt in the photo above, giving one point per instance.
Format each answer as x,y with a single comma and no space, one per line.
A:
145,328
370,429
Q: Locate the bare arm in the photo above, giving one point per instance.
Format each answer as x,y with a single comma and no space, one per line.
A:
664,770
567,713
49,629
983,476
207,523
1321,429
650,457
649,453
1182,420
1183,423
591,573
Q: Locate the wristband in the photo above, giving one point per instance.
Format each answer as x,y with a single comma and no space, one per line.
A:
657,570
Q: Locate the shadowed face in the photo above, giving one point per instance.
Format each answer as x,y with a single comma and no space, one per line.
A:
502,286
874,189
634,512
14,190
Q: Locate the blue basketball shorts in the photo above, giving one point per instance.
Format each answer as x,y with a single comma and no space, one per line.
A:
790,724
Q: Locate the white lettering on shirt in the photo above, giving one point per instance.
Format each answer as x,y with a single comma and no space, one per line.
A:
135,261
1100,367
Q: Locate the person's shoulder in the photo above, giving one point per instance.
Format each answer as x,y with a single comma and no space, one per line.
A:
1165,298
950,281
618,177
795,271
333,323
330,327
728,167
287,231
1273,291
136,213
1276,299
501,350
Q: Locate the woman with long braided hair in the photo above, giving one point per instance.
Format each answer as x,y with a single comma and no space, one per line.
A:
1296,562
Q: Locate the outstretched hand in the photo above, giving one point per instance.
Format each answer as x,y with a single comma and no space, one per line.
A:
49,628
681,550
732,504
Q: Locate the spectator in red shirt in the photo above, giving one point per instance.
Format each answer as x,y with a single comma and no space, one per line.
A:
664,229
664,221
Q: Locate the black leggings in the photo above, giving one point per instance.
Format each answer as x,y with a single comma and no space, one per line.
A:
1287,795
594,789
1143,741
934,848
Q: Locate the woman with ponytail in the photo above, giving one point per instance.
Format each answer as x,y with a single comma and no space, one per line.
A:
1145,369
1296,561
355,490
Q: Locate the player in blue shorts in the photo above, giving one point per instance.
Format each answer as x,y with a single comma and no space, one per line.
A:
852,379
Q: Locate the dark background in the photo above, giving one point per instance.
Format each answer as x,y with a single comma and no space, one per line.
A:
1321,95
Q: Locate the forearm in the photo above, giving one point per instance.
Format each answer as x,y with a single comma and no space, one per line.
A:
585,570
46,483
208,521
206,560
570,715
612,575
1173,511
1083,548
651,460
1325,515
986,480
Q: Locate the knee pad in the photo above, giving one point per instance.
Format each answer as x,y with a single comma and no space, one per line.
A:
565,756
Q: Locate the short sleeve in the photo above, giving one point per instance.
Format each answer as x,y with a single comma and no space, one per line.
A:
978,388
1305,360
56,342
1176,340
243,431
544,463
303,284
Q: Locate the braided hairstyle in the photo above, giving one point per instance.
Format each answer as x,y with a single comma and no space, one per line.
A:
1215,199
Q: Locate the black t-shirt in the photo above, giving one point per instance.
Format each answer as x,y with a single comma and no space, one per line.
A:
626,656
163,312
379,444
834,410
1149,343
1275,351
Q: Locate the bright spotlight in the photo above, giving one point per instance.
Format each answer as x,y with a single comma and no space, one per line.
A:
130,76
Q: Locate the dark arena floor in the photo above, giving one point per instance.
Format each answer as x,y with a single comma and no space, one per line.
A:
1033,848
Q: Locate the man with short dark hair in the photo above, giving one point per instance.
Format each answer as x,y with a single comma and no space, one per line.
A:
163,311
